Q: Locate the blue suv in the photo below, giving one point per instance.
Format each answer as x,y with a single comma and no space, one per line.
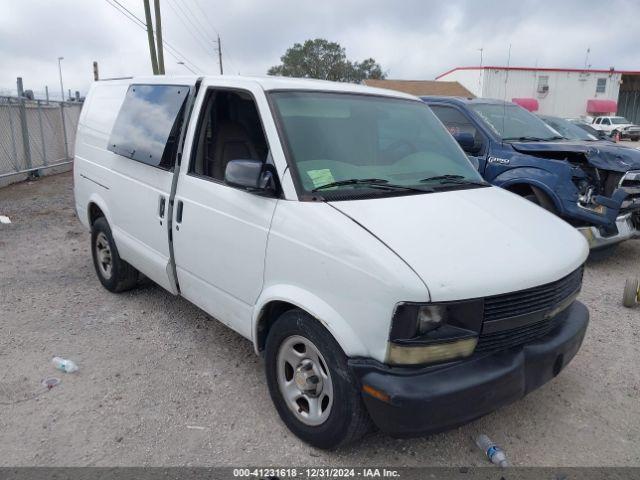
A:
594,185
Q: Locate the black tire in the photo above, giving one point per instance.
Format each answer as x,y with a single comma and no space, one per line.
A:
347,419
541,200
121,276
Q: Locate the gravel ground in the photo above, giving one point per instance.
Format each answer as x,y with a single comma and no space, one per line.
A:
160,383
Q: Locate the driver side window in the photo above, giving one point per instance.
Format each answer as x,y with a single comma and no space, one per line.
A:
230,129
456,122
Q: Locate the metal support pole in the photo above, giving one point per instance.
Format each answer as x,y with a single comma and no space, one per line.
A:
25,133
44,151
64,132
152,47
60,72
220,55
13,137
46,92
156,6
96,75
19,87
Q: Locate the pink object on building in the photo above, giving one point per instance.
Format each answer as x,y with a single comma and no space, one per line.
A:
602,106
530,104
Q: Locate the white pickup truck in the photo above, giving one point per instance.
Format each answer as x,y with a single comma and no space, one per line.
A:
615,125
343,231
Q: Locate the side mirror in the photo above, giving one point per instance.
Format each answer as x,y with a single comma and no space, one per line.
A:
466,141
251,175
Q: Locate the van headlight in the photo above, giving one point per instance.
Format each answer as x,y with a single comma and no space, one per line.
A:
423,333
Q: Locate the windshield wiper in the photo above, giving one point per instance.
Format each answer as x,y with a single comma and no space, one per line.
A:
532,139
379,183
458,179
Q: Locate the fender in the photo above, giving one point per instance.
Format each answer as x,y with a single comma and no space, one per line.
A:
534,177
315,306
100,203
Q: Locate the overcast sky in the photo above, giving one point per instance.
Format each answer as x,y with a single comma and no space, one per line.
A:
411,39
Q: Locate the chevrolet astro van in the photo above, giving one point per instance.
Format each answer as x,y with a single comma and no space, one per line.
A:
344,232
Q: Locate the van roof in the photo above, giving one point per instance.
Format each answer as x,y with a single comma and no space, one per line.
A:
269,83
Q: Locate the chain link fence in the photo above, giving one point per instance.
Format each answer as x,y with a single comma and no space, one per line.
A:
35,134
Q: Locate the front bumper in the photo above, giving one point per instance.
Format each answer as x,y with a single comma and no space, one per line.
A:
432,399
627,229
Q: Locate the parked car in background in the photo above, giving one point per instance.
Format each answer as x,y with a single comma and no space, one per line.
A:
567,129
617,125
337,227
599,134
592,185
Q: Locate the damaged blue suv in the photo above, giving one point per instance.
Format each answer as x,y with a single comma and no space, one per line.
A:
593,185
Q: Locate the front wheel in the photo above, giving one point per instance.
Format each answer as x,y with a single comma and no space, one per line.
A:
310,383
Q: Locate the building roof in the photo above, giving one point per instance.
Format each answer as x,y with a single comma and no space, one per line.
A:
422,87
541,69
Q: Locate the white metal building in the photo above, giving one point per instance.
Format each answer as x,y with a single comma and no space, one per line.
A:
562,92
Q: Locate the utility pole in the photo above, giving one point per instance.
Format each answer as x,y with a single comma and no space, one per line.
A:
156,6
46,92
96,75
220,55
152,47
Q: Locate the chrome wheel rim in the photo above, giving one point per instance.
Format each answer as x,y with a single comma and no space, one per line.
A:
304,380
103,255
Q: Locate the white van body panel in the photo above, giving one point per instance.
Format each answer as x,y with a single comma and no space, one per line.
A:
351,279
473,243
346,263
131,189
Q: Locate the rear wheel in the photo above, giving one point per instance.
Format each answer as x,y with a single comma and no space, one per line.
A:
630,295
310,383
115,274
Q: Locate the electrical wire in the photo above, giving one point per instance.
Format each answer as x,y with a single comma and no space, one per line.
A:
174,52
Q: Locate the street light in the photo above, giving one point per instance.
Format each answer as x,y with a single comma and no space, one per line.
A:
186,66
60,71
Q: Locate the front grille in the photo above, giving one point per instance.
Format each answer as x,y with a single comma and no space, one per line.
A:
534,300
516,336
631,184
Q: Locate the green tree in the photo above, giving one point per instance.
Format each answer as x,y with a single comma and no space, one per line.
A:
324,60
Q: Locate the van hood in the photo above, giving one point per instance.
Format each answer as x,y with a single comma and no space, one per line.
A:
472,243
604,155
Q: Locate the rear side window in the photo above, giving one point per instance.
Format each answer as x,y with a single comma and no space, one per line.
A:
148,124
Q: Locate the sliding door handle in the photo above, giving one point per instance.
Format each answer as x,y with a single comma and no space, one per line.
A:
179,211
161,207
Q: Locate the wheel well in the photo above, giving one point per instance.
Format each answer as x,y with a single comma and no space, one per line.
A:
268,316
94,213
524,189
521,189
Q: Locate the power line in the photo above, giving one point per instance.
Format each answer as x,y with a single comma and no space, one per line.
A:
193,29
174,52
210,24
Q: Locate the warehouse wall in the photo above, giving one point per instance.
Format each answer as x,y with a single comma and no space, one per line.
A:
568,91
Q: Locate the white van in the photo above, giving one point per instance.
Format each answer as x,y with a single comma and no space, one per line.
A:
344,232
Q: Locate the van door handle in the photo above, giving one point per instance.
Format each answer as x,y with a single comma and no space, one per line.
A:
161,208
179,212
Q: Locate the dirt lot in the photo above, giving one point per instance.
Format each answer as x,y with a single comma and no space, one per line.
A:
160,383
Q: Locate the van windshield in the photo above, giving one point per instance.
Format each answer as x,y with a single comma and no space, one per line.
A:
351,145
